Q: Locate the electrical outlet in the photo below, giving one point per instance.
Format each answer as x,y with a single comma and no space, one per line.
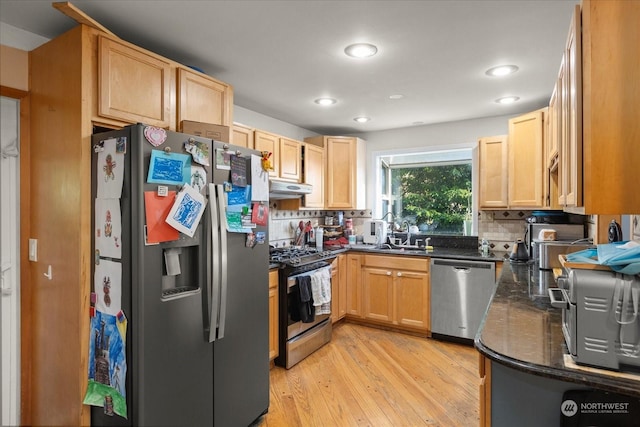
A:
33,249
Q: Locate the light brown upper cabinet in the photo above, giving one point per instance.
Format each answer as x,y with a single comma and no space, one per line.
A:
494,177
571,142
286,158
345,185
313,172
242,136
138,86
203,99
513,172
264,141
133,85
553,123
290,160
526,163
601,158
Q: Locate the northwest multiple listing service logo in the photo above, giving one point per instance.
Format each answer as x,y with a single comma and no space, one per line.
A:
569,408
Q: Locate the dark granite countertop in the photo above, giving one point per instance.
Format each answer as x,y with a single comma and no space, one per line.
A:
522,331
471,254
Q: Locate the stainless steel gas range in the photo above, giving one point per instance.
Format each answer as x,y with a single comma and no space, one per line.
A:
304,322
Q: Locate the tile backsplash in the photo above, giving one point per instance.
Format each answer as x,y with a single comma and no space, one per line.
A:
500,228
283,223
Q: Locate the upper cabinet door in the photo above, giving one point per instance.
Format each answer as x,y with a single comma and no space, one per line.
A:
290,159
242,136
572,148
526,160
493,151
314,175
552,126
203,99
133,85
264,141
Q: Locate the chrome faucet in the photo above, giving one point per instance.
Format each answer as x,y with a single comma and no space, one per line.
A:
405,226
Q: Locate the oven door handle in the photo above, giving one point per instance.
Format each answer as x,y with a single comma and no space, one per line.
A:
559,298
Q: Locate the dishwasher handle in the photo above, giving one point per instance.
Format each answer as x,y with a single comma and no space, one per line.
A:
462,269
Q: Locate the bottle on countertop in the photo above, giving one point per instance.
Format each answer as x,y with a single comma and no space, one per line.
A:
485,247
319,238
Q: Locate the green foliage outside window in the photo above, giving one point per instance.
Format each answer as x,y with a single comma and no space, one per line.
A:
435,196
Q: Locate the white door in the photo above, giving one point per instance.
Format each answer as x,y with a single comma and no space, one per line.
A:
9,263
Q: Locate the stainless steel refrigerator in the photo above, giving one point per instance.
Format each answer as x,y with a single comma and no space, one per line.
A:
196,341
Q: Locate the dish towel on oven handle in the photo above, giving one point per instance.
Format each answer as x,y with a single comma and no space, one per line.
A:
621,257
321,290
307,310
626,294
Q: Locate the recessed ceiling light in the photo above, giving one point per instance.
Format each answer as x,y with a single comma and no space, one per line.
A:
325,101
507,99
396,96
501,70
362,119
360,50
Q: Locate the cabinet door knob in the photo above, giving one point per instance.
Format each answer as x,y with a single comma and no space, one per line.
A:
399,274
388,273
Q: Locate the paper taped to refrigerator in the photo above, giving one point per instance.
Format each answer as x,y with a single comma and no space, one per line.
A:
110,170
169,168
187,210
107,284
108,228
259,180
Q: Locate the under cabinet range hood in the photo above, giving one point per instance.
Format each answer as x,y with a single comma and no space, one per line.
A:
279,190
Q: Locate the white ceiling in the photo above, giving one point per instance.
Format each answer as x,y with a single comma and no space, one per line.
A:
281,55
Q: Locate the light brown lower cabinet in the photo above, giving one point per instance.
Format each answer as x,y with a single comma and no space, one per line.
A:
338,288
273,314
354,286
394,291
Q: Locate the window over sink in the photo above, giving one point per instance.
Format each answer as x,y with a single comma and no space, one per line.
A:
431,191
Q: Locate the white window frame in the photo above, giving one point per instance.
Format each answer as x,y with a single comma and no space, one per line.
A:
376,159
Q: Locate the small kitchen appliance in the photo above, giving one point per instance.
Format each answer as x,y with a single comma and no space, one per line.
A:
374,232
600,320
546,253
615,232
519,252
568,232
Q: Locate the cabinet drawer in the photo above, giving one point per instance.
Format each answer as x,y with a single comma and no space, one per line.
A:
397,263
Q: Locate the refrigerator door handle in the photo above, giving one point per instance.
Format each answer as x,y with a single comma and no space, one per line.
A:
223,260
214,301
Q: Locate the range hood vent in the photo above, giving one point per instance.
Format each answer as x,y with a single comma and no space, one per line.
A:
279,190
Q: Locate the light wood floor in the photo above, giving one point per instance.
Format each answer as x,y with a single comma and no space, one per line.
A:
372,377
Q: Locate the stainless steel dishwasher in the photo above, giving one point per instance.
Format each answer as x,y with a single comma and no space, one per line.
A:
460,293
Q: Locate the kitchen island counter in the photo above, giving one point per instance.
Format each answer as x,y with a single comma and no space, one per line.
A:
523,332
